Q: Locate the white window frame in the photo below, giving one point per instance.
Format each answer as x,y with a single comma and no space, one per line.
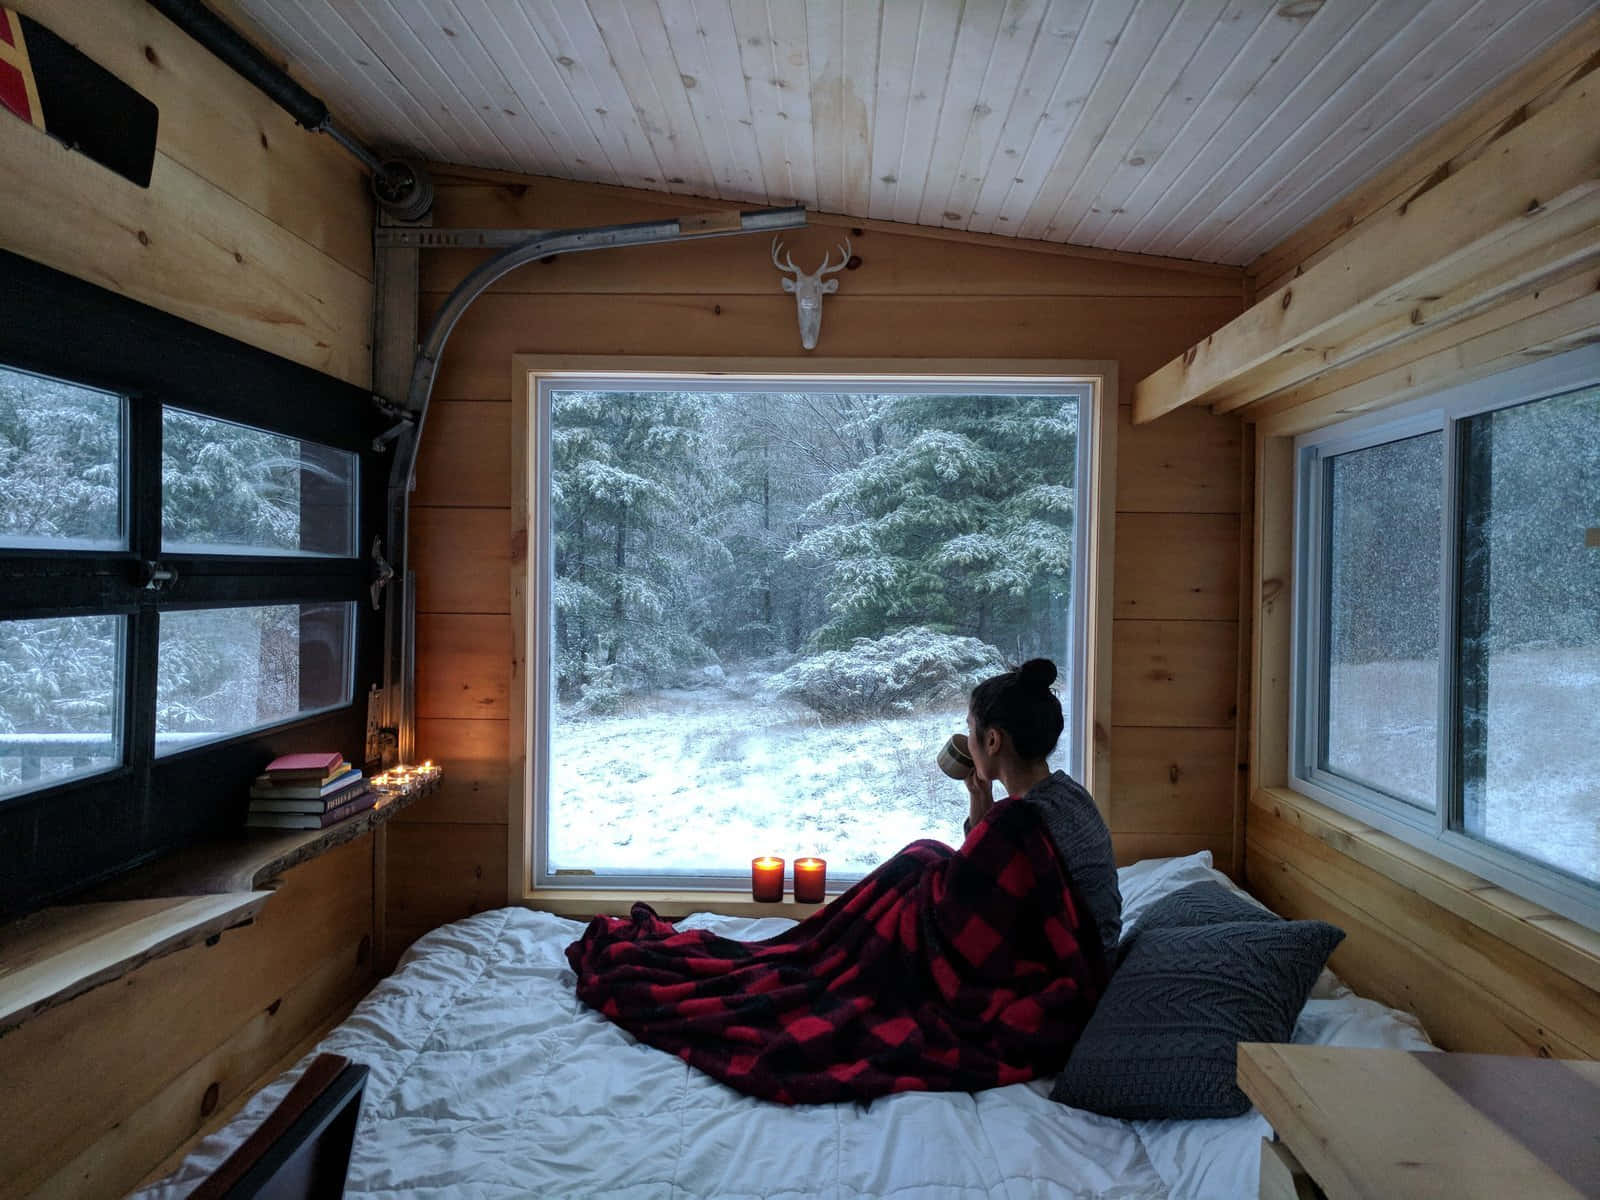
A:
1432,832
1085,675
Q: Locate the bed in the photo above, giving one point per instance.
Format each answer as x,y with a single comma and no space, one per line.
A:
489,1078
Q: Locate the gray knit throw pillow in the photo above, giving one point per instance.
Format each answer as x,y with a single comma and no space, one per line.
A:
1207,903
1163,1039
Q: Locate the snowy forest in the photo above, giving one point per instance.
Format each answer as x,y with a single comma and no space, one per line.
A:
225,488
835,568
700,531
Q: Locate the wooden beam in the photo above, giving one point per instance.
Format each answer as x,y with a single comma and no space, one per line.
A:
1437,240
1545,298
1573,323
1500,267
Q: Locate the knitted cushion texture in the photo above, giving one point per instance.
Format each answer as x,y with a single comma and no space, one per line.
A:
1163,1040
1207,903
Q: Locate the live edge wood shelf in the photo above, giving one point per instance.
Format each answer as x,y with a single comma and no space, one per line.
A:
182,900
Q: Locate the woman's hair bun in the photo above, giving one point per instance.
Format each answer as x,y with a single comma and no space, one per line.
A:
1037,672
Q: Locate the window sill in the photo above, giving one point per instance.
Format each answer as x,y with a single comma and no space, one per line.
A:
1556,941
584,903
182,900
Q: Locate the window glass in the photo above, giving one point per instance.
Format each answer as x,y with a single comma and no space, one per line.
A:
1530,630
61,455
223,671
232,489
60,700
769,607
1381,687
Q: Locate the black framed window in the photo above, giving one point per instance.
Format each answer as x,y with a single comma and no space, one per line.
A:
184,581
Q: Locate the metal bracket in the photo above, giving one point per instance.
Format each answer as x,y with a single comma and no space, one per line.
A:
402,419
154,576
451,239
382,572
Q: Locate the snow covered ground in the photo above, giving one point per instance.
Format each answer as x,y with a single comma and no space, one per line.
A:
707,779
1543,782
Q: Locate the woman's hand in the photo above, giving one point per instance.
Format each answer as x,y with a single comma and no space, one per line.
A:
980,797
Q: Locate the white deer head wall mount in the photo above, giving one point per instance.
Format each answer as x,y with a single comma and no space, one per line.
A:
810,289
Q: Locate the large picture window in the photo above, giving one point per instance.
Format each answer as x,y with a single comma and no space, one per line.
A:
764,602
1448,626
182,591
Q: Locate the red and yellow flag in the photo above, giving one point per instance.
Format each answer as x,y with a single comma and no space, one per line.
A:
18,90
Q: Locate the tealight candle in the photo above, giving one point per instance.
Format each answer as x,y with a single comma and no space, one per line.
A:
810,880
766,879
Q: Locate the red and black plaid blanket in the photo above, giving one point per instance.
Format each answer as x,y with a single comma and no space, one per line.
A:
943,970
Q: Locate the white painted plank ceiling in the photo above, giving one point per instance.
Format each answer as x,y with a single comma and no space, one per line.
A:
1202,129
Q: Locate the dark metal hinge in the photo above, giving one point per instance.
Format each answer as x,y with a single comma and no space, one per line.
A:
382,572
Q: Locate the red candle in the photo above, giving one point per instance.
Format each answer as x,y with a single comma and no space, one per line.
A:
766,879
810,880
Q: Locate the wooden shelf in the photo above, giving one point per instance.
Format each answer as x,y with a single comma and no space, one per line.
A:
50,956
254,860
178,901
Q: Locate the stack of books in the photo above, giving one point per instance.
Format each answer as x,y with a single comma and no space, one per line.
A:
307,791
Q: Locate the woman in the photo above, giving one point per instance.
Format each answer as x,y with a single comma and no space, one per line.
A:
942,970
1013,723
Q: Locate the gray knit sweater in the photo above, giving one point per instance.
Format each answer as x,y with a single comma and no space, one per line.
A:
1083,844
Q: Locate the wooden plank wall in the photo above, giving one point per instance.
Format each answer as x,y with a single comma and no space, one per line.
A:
1485,970
914,295
258,230
100,1091
250,226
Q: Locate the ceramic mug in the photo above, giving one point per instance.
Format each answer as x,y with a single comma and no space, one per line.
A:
955,759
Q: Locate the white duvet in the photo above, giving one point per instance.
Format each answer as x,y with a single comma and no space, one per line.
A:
489,1078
